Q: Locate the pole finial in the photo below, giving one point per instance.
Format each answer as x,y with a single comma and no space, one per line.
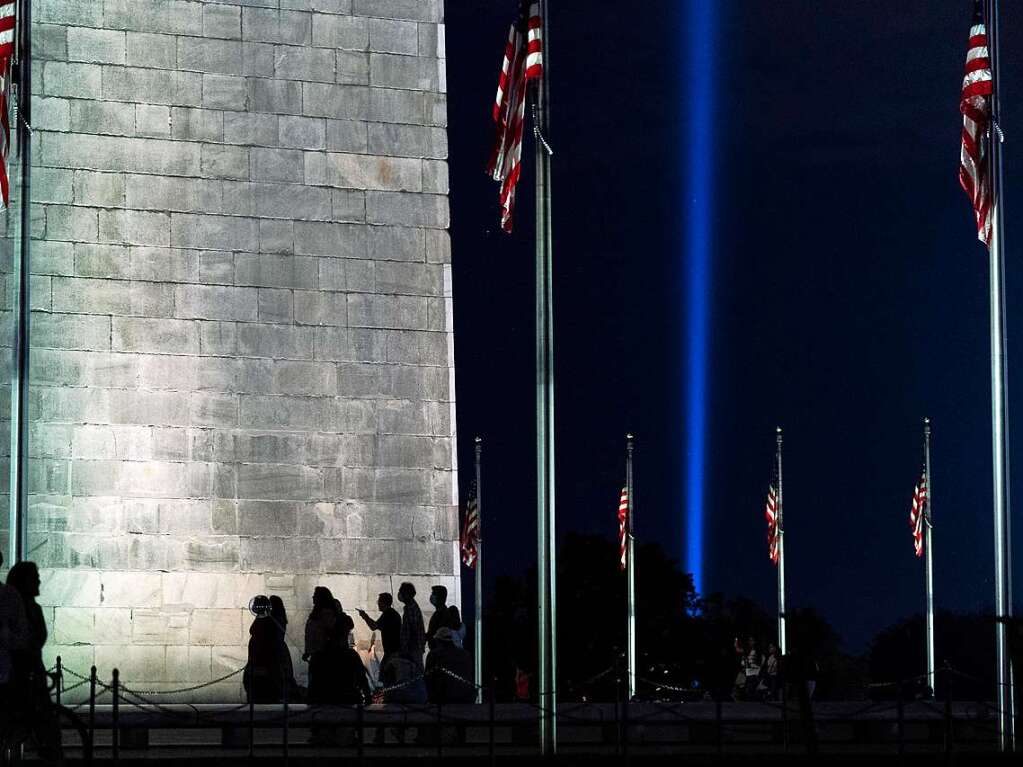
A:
927,421
777,430
479,439
629,435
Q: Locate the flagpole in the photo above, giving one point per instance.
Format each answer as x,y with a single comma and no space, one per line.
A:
631,569
999,407
781,552
478,667
929,555
546,580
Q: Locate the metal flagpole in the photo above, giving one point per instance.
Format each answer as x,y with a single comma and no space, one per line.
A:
22,352
999,407
546,580
929,555
631,569
781,553
478,668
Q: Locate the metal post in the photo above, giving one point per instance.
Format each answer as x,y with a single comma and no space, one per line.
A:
630,570
929,555
999,408
717,721
252,717
900,722
478,666
784,717
440,733
115,730
360,716
58,680
493,714
19,435
782,645
92,705
284,701
618,706
547,580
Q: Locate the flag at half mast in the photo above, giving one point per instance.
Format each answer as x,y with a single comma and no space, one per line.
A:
623,528
523,62
975,104
771,515
470,537
918,513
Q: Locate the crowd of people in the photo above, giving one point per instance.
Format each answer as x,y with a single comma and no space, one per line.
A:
760,675
391,670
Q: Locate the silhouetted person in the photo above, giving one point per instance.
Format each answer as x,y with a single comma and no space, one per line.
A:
413,633
454,623
769,671
30,677
320,622
280,620
448,671
23,577
344,620
266,672
346,680
388,624
751,667
439,619
13,641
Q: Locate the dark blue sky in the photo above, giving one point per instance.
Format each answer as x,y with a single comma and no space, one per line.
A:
848,294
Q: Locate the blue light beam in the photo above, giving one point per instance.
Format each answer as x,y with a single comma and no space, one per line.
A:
699,75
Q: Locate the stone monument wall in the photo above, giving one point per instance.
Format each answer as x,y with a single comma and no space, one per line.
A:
242,359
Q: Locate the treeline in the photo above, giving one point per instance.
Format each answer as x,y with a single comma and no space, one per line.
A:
687,640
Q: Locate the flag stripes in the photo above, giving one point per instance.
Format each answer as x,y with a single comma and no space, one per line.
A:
975,105
523,62
623,528
771,514
918,513
470,537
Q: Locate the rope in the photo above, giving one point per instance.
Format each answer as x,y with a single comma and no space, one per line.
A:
538,135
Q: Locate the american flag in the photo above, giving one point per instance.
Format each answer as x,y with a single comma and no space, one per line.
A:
623,528
523,61
6,55
918,513
771,514
470,537
975,104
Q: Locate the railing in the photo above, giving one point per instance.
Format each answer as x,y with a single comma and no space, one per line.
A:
622,728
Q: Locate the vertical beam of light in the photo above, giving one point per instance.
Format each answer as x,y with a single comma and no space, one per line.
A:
699,76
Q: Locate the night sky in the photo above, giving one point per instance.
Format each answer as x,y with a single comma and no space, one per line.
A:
848,294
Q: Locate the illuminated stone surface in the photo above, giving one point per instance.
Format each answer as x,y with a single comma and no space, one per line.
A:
242,354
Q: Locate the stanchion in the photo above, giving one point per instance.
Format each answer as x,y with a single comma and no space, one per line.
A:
284,701
252,725
491,745
115,736
360,731
717,721
784,718
618,706
440,732
901,722
625,729
58,680
948,712
92,713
